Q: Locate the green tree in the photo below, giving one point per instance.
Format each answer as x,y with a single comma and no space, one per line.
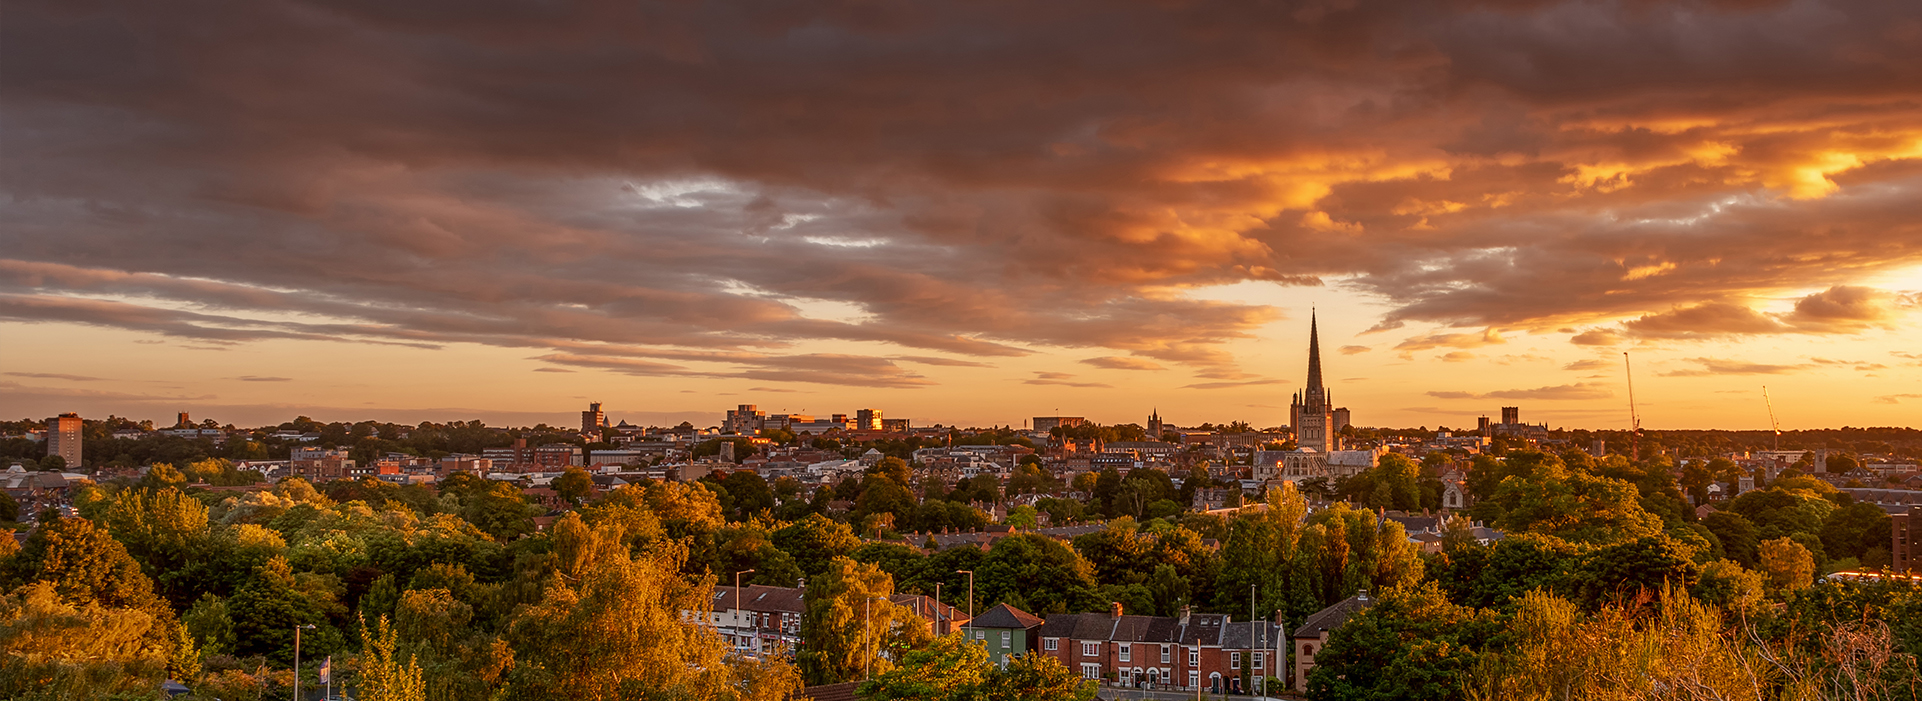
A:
1031,571
499,511
270,606
1852,530
574,485
953,669
814,541
1577,506
1645,565
1736,534
1788,565
166,531
211,626
1411,644
612,627
849,622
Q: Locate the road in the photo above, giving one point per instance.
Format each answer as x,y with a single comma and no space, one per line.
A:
1113,694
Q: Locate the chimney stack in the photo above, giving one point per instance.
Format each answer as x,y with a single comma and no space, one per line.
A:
1117,608
1185,610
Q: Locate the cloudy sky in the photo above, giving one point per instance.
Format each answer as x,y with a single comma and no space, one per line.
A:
968,212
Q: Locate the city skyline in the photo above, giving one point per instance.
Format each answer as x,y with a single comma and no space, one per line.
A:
1487,207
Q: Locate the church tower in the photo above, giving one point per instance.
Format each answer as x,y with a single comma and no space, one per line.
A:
1154,425
1312,413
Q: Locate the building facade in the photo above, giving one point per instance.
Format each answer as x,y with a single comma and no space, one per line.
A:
1007,632
63,438
1044,424
1193,652
1312,635
592,420
1902,551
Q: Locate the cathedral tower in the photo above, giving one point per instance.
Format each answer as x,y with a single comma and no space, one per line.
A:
1312,412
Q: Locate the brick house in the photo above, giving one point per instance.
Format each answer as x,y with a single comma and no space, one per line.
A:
1193,650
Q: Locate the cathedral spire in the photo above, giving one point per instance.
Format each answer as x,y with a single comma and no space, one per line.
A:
1314,354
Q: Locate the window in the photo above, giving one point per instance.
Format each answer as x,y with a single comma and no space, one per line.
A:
1257,658
1194,656
1090,671
1006,637
981,635
1164,654
1124,651
1234,660
1051,644
1090,649
1308,651
1194,679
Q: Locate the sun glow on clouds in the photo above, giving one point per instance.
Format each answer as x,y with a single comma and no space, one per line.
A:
915,211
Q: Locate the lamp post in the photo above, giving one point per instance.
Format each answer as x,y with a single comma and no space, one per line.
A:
937,609
1259,680
737,601
970,623
297,630
867,635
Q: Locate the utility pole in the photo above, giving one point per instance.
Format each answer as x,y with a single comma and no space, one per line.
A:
1252,622
937,610
737,602
970,623
297,630
867,636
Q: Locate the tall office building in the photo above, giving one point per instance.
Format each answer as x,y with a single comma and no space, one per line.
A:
867,420
63,438
1311,412
592,420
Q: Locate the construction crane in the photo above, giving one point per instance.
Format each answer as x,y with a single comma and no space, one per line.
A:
1634,418
1773,424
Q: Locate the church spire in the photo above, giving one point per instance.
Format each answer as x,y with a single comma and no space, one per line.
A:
1314,354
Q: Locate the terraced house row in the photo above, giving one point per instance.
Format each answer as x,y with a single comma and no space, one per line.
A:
1207,650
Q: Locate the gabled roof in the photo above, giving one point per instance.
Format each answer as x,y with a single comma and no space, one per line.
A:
1083,626
1202,629
1332,617
755,597
1245,635
1005,616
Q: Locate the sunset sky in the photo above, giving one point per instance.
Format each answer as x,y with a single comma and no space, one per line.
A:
962,212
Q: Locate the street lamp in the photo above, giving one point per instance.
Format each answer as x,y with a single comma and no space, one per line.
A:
297,630
737,601
970,574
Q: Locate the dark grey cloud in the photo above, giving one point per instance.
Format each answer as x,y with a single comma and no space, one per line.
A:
964,179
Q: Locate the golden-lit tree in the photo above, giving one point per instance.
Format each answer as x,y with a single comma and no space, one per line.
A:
850,625
1787,564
